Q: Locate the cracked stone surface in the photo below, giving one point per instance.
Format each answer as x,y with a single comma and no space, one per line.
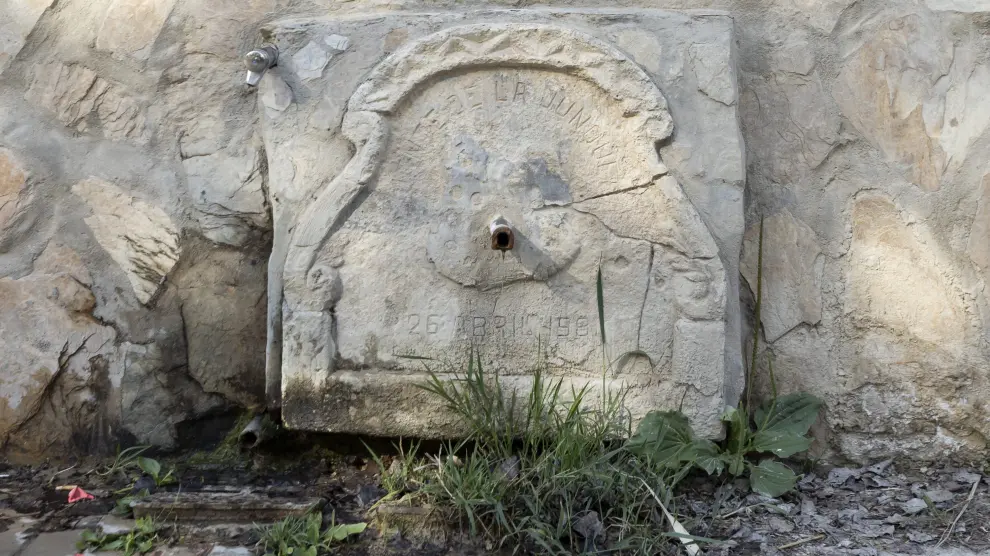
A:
78,97
48,328
392,265
228,188
138,236
21,17
17,213
792,273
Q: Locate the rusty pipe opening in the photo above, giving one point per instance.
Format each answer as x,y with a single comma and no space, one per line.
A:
503,238
254,433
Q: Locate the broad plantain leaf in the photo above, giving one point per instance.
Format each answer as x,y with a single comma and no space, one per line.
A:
707,457
89,536
771,478
341,531
793,413
313,528
663,437
149,466
780,444
355,528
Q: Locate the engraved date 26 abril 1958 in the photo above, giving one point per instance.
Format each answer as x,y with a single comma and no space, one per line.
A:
504,326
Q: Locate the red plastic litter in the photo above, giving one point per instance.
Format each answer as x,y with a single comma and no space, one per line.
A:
78,494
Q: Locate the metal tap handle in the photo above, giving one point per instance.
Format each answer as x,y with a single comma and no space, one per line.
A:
258,61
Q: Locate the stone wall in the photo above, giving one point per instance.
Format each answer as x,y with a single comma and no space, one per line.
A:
136,225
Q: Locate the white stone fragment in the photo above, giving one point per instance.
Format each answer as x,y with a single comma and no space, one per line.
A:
310,61
219,550
965,6
337,42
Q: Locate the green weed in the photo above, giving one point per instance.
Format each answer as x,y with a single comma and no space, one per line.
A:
122,507
125,459
153,469
779,427
139,540
403,474
548,472
229,449
147,466
302,536
780,430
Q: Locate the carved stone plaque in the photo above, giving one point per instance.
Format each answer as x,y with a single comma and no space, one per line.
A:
389,270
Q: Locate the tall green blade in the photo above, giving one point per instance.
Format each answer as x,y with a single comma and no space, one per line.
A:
601,305
756,326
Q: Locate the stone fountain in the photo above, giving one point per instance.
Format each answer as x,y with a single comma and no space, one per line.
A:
453,183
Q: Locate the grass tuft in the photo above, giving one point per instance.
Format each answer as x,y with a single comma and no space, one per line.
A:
547,472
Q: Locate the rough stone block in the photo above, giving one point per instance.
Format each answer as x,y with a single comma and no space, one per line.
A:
140,237
222,507
79,98
537,118
51,347
15,198
17,20
131,26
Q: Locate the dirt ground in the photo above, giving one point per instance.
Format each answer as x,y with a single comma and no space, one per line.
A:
887,508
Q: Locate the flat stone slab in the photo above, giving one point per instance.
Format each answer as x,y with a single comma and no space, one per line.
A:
17,534
219,550
419,522
62,543
607,141
215,507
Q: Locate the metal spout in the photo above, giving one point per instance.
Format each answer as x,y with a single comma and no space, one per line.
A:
503,238
258,61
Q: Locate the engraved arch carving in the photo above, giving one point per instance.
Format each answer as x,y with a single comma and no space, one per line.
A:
506,45
309,289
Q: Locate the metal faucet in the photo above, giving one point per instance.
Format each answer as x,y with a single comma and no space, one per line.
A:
258,61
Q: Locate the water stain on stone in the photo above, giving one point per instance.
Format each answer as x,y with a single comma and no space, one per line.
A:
554,190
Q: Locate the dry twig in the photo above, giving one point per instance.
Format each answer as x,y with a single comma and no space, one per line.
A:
948,532
743,508
57,473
